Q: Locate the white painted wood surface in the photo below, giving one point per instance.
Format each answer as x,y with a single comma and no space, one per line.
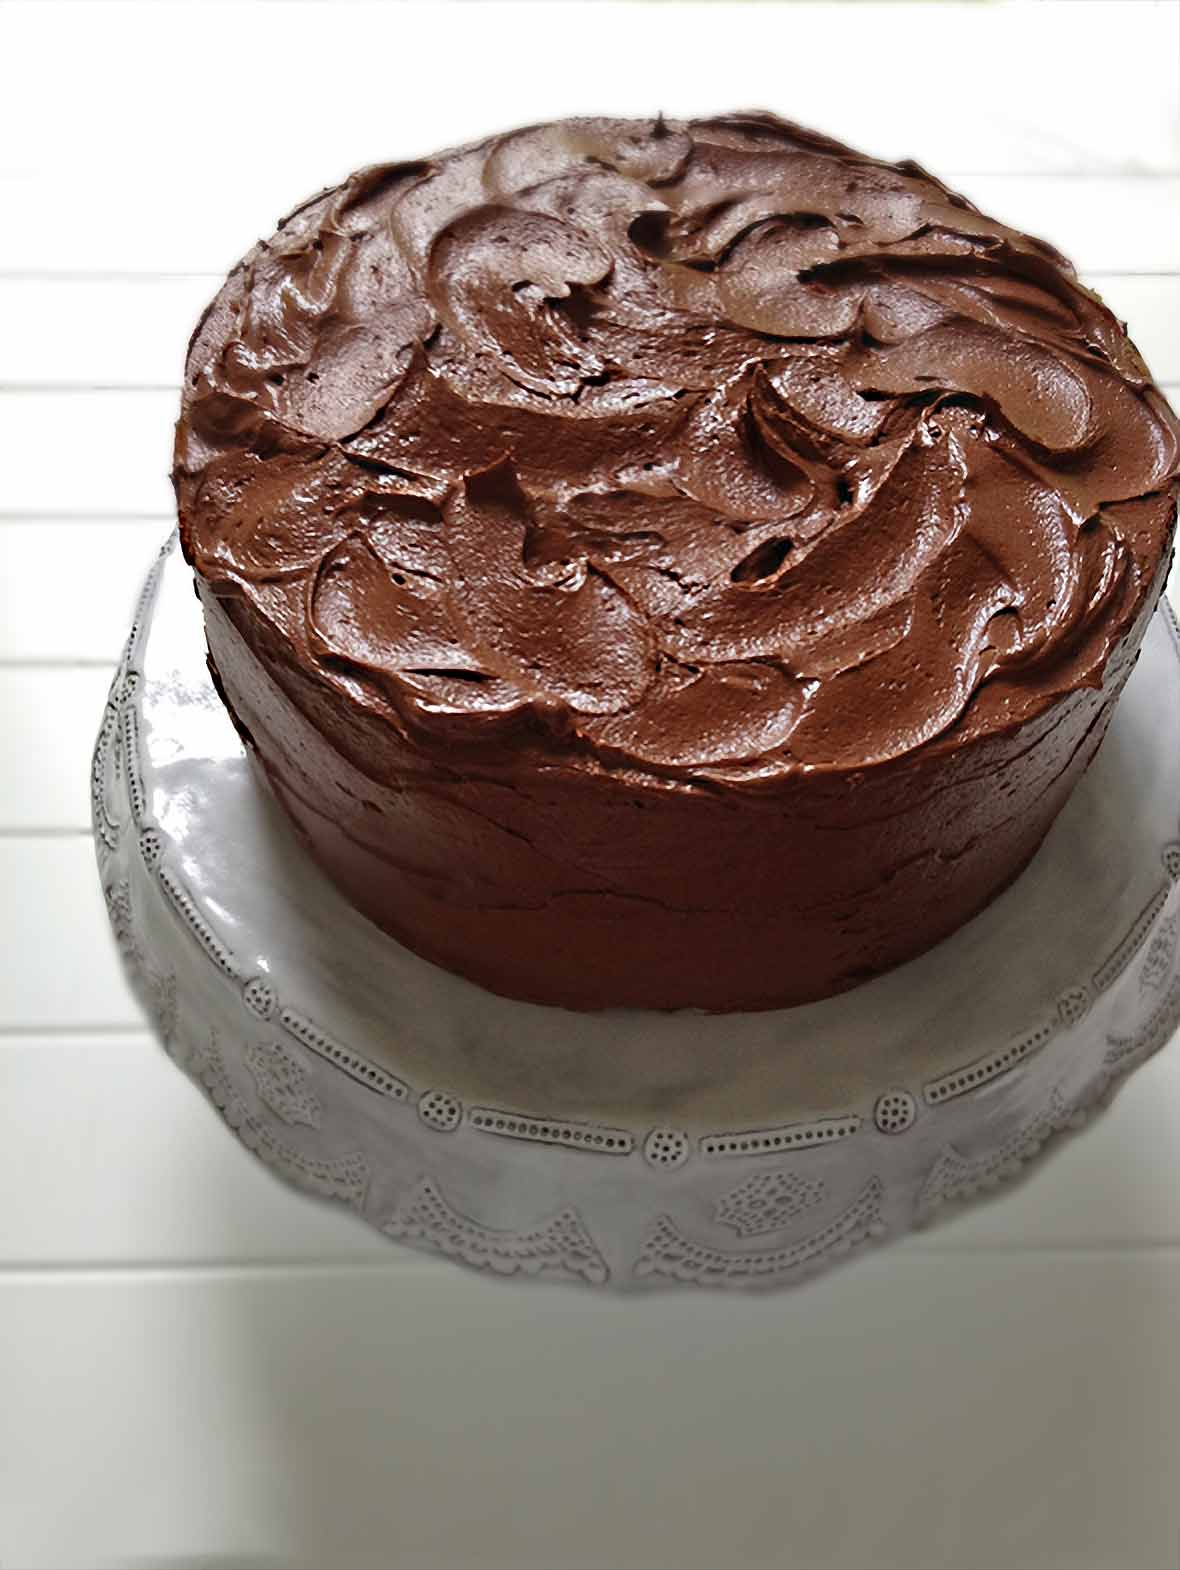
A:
199,1367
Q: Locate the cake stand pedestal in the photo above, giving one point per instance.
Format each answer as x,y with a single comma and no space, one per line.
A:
624,1150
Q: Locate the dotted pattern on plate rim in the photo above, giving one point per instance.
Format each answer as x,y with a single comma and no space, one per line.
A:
1114,965
1073,1005
356,1067
197,924
666,1147
895,1111
439,1110
791,1136
135,794
259,997
552,1131
979,1072
151,848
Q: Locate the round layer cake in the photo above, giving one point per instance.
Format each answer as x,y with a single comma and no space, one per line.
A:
669,564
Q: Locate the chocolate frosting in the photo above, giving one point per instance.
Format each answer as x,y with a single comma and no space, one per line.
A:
710,450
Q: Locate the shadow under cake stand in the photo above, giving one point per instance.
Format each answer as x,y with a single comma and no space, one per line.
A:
625,1149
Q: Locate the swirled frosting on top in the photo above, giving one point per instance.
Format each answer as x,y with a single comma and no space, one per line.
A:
710,449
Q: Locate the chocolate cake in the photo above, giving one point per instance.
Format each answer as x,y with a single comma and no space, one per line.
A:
669,564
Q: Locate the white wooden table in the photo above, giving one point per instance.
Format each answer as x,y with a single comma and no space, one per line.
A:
198,1367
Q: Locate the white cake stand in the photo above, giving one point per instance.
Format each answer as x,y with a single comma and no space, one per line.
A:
627,1150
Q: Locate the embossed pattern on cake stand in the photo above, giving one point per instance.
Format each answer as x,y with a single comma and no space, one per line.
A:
621,1150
